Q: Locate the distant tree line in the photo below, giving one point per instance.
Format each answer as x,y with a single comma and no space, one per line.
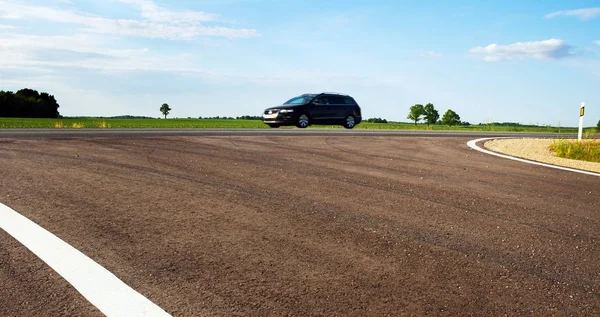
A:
430,115
28,103
232,118
509,124
377,120
112,117
250,118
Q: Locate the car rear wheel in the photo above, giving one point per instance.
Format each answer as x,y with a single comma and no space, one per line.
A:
349,122
303,121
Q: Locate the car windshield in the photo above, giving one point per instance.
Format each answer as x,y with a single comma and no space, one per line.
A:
299,100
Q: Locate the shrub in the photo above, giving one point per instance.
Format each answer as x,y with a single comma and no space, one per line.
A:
586,150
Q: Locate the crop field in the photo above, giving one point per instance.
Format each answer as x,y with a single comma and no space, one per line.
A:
69,123
83,123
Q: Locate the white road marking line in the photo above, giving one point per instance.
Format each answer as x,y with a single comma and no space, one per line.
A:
99,286
473,145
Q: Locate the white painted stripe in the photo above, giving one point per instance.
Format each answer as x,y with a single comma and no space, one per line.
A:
102,288
473,145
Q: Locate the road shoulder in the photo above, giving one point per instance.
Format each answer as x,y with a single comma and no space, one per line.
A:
536,149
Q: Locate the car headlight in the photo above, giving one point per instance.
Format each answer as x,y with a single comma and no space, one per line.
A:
286,110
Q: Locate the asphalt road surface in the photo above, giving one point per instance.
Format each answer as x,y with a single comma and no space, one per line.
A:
352,224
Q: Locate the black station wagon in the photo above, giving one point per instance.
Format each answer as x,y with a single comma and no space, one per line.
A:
309,109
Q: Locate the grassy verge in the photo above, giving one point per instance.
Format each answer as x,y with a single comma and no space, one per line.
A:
82,123
586,150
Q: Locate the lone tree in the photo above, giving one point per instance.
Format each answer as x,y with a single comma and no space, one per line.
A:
416,112
598,126
165,109
450,118
431,115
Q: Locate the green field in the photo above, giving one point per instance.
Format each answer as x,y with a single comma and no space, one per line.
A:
75,123
82,123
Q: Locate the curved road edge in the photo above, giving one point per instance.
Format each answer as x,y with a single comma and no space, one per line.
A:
473,144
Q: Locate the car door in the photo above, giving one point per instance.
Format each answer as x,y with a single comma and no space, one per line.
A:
337,111
320,110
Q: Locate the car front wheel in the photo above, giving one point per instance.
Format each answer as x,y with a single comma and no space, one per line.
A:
303,121
349,122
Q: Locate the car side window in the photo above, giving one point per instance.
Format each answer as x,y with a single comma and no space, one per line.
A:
322,101
335,100
349,101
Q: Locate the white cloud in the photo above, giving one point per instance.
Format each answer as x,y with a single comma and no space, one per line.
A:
89,52
156,13
19,42
82,51
584,14
597,42
431,54
97,48
158,23
540,50
6,27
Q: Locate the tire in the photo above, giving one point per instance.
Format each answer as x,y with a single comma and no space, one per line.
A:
273,126
349,122
303,121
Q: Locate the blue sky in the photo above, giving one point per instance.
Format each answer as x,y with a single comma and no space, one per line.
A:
519,61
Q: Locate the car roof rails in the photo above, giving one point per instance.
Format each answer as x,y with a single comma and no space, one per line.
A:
334,93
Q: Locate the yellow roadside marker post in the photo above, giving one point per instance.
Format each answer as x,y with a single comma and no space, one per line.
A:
581,113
